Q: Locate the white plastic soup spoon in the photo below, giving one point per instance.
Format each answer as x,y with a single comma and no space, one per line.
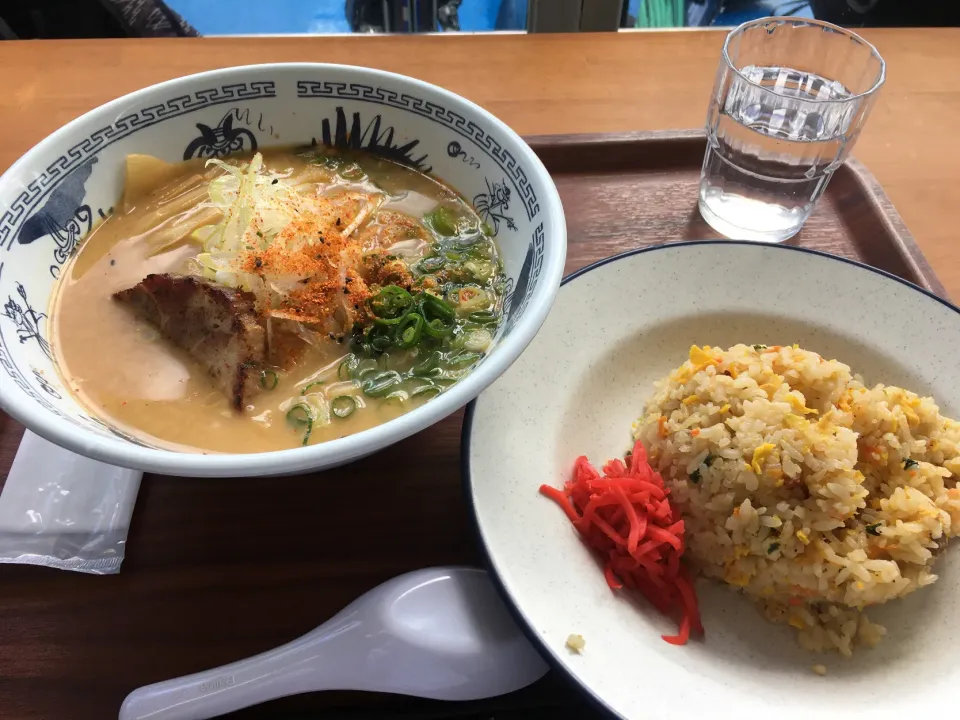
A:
438,633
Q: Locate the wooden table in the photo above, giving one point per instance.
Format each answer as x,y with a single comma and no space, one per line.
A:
217,570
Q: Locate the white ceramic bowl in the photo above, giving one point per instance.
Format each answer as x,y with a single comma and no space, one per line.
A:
55,193
616,328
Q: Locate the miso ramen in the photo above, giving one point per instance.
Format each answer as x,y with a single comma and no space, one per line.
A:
269,302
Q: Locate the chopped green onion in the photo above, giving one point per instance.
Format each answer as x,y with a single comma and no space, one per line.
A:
430,265
330,163
435,307
708,460
301,414
343,405
428,364
388,321
758,348
365,368
397,396
380,337
391,302
872,529
425,391
480,271
909,464
695,476
484,317
439,315
467,358
381,384
409,331
470,299
476,246
477,340
269,379
437,328
347,367
443,221
352,172
318,383
772,548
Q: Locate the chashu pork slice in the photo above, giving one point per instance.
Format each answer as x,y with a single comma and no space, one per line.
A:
218,326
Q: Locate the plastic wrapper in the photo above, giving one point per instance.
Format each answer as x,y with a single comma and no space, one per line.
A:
61,510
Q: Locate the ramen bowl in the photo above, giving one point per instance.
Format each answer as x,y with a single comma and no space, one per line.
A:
53,197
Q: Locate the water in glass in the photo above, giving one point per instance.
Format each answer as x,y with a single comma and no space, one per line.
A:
775,134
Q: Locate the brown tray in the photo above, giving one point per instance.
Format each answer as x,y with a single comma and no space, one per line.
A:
622,191
220,569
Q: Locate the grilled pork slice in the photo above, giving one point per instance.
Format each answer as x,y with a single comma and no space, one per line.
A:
218,326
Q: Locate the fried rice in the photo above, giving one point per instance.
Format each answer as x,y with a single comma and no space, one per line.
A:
816,494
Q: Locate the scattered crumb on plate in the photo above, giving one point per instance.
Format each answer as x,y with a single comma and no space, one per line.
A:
576,643
819,669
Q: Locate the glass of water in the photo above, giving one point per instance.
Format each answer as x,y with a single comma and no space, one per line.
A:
790,99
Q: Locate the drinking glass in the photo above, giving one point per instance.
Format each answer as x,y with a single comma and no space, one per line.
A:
790,99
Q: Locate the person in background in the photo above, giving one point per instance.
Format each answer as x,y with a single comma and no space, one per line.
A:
887,13
48,19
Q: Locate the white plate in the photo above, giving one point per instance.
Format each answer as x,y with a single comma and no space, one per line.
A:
615,328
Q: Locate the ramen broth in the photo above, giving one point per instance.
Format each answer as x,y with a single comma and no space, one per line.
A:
130,376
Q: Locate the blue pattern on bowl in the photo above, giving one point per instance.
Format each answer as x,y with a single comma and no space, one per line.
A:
61,204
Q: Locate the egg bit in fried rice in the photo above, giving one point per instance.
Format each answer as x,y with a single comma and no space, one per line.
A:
815,494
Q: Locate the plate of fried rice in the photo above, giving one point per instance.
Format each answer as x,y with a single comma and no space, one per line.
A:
751,452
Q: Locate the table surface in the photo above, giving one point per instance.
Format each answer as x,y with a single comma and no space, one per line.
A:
217,572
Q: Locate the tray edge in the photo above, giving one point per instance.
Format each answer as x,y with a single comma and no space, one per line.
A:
906,244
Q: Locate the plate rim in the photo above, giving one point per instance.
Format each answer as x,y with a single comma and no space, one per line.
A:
539,644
